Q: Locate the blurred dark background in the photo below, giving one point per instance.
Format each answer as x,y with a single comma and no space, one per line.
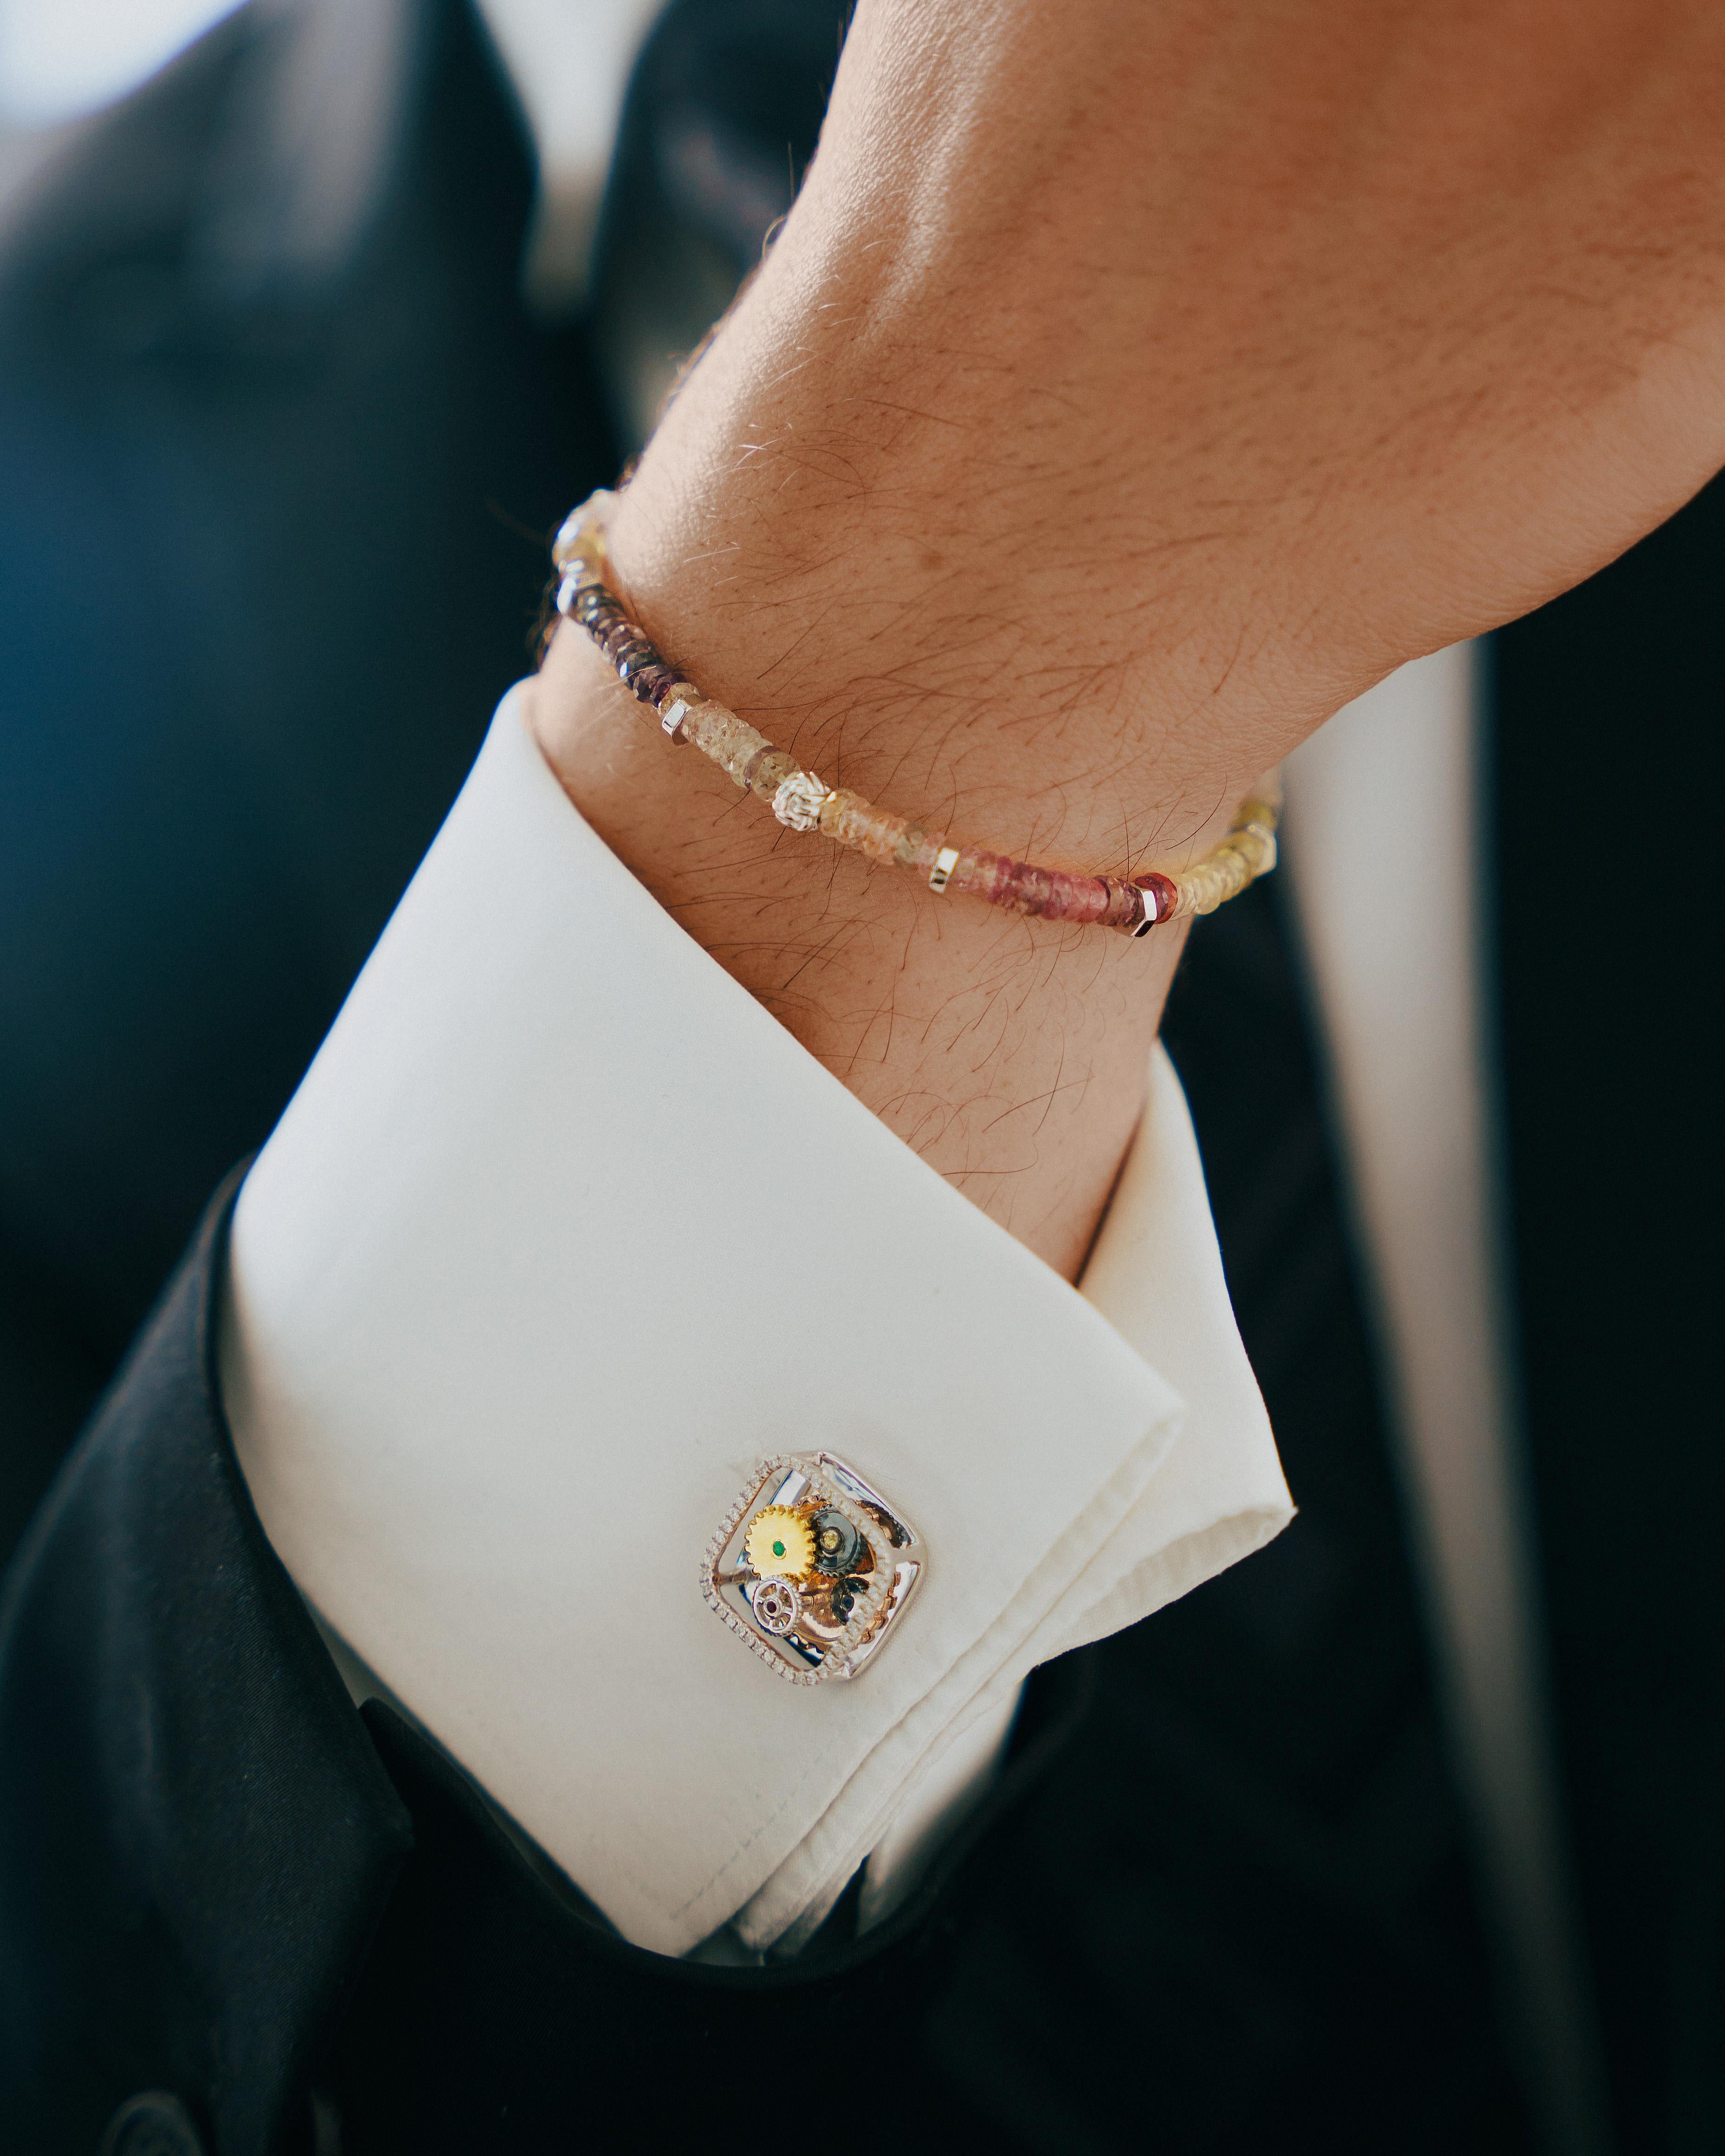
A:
281,440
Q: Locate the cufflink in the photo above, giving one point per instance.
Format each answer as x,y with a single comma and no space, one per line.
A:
812,1568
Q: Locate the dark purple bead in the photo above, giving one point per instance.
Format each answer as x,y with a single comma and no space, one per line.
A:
653,683
636,661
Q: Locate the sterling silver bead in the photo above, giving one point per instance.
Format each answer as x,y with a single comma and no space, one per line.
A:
676,711
799,800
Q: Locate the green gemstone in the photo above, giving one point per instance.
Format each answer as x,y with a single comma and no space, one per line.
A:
778,1549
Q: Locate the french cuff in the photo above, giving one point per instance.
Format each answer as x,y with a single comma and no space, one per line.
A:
1216,1495
561,1235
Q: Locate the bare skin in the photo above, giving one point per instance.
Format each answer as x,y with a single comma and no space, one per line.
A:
1131,387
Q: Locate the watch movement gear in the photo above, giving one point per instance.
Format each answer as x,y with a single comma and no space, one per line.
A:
765,1574
777,1606
780,1543
838,1545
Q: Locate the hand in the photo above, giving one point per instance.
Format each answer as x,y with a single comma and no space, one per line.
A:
1131,386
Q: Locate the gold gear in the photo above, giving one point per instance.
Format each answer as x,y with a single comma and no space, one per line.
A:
780,1543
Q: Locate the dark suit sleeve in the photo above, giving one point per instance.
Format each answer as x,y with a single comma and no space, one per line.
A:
197,1838
219,1880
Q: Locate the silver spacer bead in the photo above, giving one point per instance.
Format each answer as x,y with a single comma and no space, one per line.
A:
799,800
674,716
945,861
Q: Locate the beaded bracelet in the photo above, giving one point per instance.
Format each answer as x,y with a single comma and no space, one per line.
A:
803,803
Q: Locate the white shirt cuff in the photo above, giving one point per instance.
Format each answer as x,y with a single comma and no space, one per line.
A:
560,1234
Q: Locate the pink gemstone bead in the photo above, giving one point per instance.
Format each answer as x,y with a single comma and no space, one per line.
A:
1159,892
1126,904
1028,887
1082,898
979,874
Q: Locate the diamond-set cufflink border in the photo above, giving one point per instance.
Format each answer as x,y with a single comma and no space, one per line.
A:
798,1655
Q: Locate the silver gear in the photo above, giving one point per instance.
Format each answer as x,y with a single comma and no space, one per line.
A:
777,1606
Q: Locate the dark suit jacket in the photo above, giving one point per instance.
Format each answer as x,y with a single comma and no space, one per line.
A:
1221,1901
277,446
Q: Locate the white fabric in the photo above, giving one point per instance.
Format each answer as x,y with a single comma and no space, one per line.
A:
931,1809
569,65
560,1234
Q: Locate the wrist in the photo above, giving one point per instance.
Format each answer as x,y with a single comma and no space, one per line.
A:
1011,1054
864,533
891,518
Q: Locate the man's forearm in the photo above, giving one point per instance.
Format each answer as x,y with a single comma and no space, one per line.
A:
1128,389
